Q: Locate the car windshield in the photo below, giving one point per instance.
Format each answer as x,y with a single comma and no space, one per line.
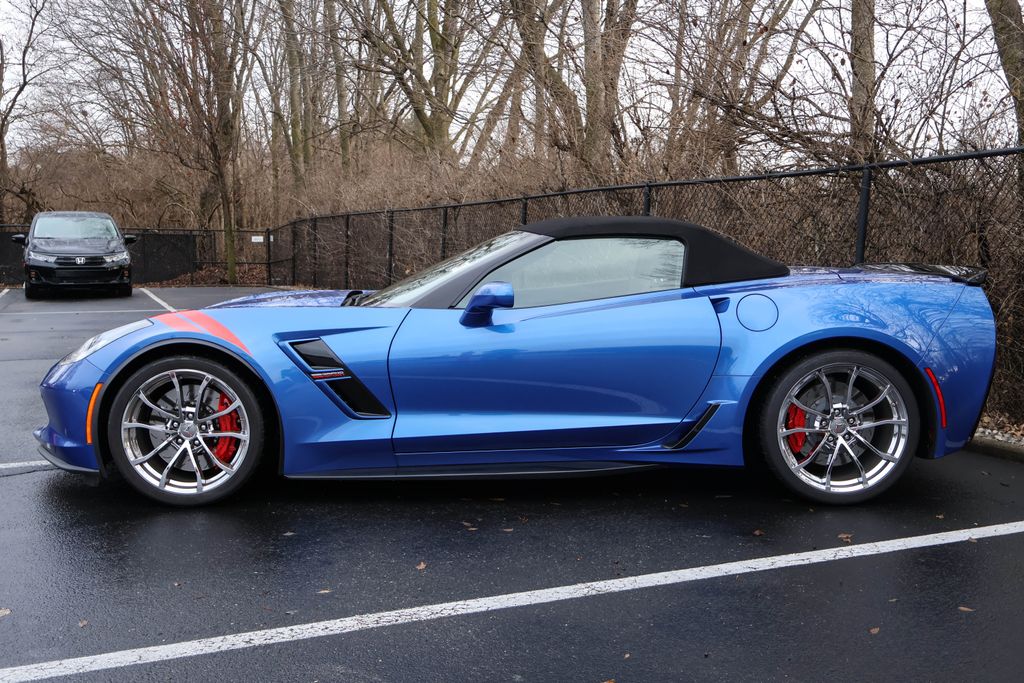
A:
74,228
406,291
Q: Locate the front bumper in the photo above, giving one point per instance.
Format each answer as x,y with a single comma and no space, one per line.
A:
66,392
51,275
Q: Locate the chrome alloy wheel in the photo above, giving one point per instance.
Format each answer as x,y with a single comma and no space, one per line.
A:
185,431
843,428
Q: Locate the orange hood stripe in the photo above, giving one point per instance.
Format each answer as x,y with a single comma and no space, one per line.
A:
214,327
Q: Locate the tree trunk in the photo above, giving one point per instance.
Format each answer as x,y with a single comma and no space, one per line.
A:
1008,27
862,67
597,130
340,84
295,108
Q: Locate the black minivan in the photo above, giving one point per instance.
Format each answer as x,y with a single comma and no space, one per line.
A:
75,249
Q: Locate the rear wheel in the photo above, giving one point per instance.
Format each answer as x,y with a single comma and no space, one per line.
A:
840,426
185,430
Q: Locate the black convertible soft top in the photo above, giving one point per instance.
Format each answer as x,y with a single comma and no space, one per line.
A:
711,258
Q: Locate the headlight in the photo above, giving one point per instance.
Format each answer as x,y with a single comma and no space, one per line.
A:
119,256
45,258
102,339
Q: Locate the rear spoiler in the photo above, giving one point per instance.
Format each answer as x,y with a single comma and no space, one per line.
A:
966,274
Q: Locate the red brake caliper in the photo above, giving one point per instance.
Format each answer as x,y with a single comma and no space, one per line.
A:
226,446
795,419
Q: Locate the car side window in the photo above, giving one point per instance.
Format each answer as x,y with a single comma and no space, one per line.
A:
590,268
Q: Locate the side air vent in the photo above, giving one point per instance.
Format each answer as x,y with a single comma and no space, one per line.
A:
317,354
683,440
337,380
357,397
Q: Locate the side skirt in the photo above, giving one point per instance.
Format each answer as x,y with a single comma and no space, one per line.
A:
529,471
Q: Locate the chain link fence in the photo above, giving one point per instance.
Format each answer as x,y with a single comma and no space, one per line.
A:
957,210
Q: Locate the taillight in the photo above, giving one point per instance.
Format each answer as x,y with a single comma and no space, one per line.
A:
938,395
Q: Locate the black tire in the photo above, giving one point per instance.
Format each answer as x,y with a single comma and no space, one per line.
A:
803,457
123,290
142,478
32,291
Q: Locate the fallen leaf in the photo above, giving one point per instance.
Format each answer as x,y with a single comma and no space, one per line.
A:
758,532
940,516
471,528
177,584
972,540
422,565
874,630
324,591
625,656
288,533
893,599
4,612
467,524
82,623
506,529
964,609
291,611
845,537
683,505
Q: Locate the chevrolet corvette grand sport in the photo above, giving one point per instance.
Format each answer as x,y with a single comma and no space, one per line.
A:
569,346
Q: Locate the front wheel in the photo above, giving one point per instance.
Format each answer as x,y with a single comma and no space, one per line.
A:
840,426
185,430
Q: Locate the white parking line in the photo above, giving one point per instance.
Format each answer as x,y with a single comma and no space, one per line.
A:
6,289
76,311
286,634
28,463
157,299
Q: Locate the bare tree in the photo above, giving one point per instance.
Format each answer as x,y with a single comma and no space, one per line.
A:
20,67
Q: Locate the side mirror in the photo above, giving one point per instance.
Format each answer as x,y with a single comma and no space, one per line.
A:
19,238
131,239
490,296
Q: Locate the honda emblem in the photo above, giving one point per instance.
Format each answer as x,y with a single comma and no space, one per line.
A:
80,260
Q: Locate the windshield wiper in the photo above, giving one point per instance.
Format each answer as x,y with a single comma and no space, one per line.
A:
354,297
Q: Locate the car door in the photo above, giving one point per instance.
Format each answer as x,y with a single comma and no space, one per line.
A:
603,349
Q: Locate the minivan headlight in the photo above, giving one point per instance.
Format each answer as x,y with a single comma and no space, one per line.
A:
45,258
102,339
114,258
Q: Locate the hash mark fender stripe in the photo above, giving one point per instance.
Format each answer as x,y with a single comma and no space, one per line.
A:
194,321
214,327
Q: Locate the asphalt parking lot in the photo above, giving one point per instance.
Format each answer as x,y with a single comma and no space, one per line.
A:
690,574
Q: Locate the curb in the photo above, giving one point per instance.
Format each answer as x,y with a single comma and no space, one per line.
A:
996,448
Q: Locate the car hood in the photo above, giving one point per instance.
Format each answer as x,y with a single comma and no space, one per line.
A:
304,298
75,247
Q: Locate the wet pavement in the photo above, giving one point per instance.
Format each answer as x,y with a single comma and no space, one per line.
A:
88,570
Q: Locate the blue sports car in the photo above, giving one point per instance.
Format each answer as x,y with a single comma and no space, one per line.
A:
570,346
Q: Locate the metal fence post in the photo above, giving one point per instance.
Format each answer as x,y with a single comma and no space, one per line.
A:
391,245
348,249
292,227
195,252
647,199
524,211
862,214
444,232
316,251
266,236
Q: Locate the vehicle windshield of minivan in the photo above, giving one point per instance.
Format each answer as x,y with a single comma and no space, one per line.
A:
74,228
